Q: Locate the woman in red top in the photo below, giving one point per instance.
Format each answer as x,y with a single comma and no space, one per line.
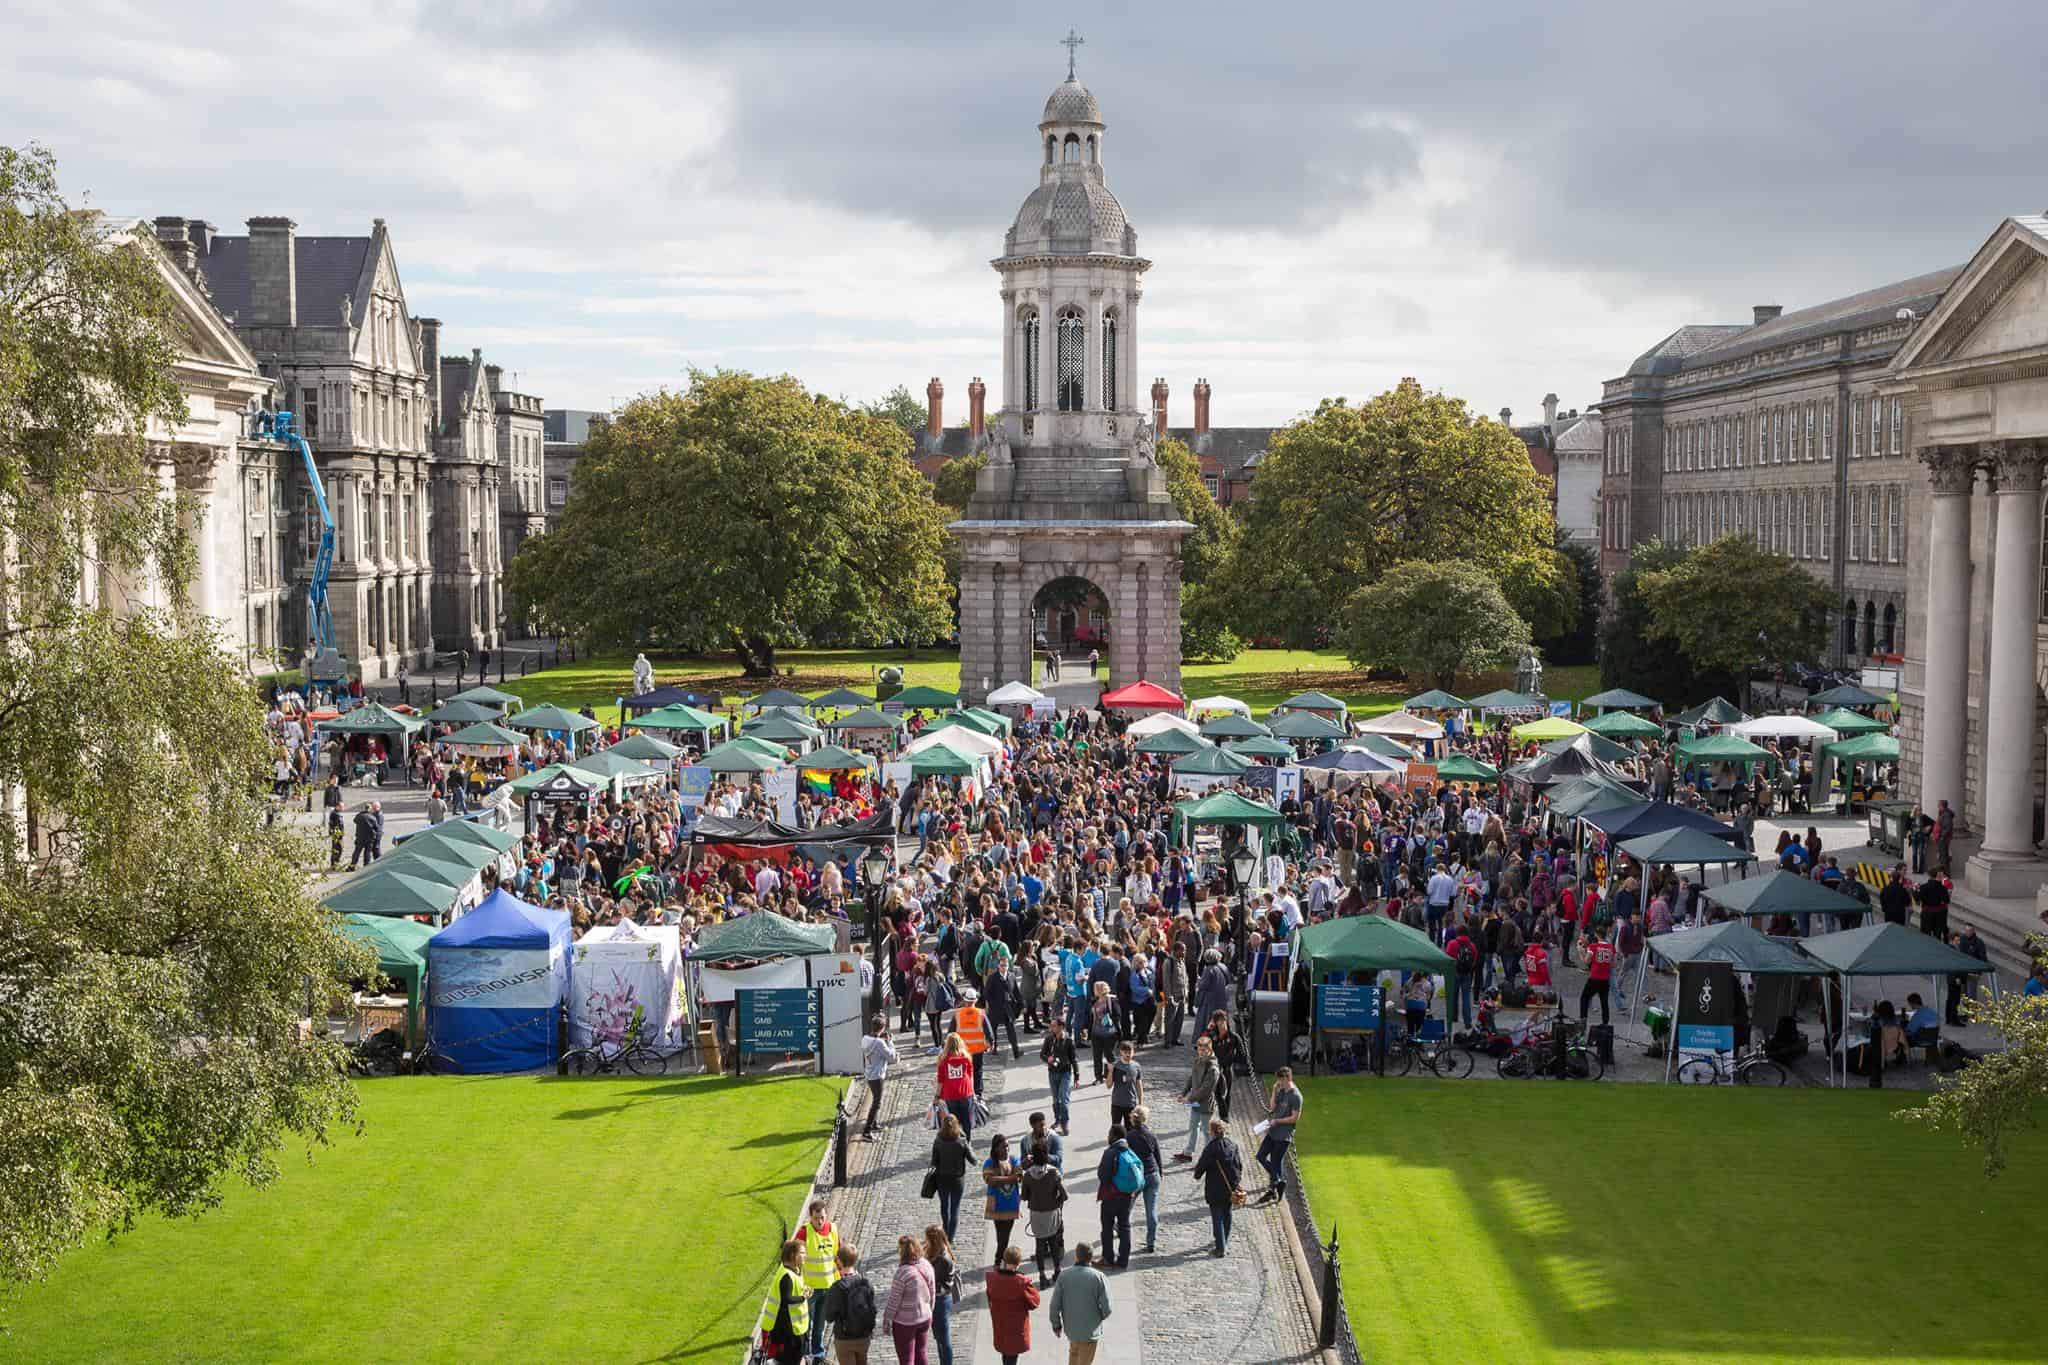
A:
956,1082
1600,956
1567,922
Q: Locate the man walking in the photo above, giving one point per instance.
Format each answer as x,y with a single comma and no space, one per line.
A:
376,830
1283,1114
877,1053
365,838
1944,834
1080,1305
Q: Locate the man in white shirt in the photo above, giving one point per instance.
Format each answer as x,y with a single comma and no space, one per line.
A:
766,882
1475,826
1443,888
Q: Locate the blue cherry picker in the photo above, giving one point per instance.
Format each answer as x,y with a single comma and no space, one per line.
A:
324,666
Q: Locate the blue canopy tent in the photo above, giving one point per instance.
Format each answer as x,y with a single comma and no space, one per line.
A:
500,975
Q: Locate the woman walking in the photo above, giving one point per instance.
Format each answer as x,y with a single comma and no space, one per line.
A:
950,1158
956,1083
1138,1133
1057,1052
910,1303
938,1249
1200,1097
1102,1031
1126,1085
1005,1196
1221,1169
1045,1192
1011,1297
1230,1055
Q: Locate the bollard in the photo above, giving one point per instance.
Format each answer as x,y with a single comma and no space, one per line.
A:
839,1151
1326,1334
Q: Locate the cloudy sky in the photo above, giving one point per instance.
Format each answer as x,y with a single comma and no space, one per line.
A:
1502,200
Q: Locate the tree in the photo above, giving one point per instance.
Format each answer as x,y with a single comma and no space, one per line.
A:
1630,654
1543,589
1578,643
898,406
954,484
157,948
1205,633
1732,608
1205,548
1436,619
1347,492
743,514
2000,1091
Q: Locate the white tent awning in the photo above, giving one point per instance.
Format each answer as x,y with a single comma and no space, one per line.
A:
1015,694
1217,705
1162,720
1402,724
1783,727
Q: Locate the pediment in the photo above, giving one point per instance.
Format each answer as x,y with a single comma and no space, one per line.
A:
1998,306
204,336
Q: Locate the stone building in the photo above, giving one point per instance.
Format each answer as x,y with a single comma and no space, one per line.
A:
464,542
522,429
564,431
1071,489
1565,449
1776,429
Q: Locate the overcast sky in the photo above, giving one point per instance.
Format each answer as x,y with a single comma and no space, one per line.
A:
1502,200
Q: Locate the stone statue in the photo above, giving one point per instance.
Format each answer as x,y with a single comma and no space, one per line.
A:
1529,675
348,312
1142,444
643,675
999,444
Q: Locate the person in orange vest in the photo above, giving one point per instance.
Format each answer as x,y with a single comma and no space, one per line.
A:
820,1241
970,1021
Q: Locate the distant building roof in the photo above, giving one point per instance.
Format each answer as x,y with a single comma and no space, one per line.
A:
567,426
1581,436
1234,449
1881,304
328,270
1670,353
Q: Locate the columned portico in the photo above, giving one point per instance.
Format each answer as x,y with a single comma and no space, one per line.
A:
1953,473
2007,864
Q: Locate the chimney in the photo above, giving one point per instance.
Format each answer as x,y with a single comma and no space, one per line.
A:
1550,412
1507,417
273,273
202,234
1766,312
977,399
1201,407
430,366
934,408
493,374
1159,409
172,235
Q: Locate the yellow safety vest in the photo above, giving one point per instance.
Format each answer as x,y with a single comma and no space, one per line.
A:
799,1303
821,1256
967,1023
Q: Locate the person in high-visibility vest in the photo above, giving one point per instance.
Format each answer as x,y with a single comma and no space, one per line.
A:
786,1311
970,1021
820,1241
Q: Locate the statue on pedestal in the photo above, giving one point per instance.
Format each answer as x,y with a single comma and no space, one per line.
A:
643,675
1529,675
1142,444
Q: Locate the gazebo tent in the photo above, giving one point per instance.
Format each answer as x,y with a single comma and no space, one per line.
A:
759,936
550,719
1599,746
541,777
618,968
610,763
1015,694
1865,749
1436,699
679,716
1234,727
840,698
1386,746
1353,759
1680,845
1142,696
1628,823
1730,941
456,711
463,833
1887,949
735,757
777,696
924,698
387,891
1847,723
1463,768
1582,794
486,739
869,720
1161,720
1172,742
1402,723
1550,727
373,719
662,697
487,696
1321,703
783,730
1371,943
1004,725
1260,746
1211,762
964,720
832,758
1713,711
1218,703
432,864
766,748
1223,808
1619,699
499,975
941,759
1624,725
1505,700
1784,727
1305,725
646,748
401,947
1722,748
965,738
1848,694
1779,892
1574,759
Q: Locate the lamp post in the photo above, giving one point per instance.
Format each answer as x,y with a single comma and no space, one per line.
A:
1243,864
874,866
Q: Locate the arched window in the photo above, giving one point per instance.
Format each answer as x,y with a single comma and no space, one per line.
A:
1071,152
1072,355
1891,626
1108,359
1030,343
1870,627
1849,626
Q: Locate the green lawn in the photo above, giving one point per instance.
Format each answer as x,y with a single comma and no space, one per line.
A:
1528,1221
475,1219
1262,678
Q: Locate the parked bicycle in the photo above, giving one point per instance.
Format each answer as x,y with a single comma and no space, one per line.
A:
1438,1055
1749,1068
628,1052
1555,1052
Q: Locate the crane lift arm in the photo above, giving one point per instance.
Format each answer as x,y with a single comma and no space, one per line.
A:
325,657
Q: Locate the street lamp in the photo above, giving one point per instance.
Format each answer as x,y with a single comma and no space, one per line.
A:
874,866
1243,864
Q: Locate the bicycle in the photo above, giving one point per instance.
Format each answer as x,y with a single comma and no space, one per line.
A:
1552,1052
629,1052
1438,1055
430,1060
1749,1068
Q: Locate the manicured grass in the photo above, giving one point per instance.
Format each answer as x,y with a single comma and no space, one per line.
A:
1531,1221
1261,678
474,1219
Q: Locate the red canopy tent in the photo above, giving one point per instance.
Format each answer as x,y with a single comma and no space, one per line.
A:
1142,696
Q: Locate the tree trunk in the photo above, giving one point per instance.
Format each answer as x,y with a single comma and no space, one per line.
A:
757,656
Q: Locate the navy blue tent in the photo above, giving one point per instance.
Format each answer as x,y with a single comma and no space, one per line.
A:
1632,822
499,977
669,696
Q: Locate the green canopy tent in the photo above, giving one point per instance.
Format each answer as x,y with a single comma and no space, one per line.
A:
1004,725
1847,694
869,719
484,739
839,699
1223,808
767,748
784,730
1436,699
1232,726
401,948
1465,768
1713,711
551,719
463,841
615,766
738,757
372,718
1211,762
1866,749
1887,949
1305,725
1722,748
1260,746
1732,942
1386,746
1683,845
1505,700
1849,724
455,711
924,698
979,724
385,891
1618,725
776,696
487,696
1619,699
1368,943
758,937
1320,703
1173,742
540,777
1870,748
1592,792
1780,892
646,748
678,717
832,758
942,761
430,864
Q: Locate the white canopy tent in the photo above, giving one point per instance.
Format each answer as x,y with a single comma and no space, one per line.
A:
1162,720
1403,725
1014,694
1783,727
1217,705
959,737
618,968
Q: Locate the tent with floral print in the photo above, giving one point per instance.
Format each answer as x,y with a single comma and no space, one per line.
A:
624,976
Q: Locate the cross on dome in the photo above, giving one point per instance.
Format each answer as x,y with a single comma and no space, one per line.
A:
1070,42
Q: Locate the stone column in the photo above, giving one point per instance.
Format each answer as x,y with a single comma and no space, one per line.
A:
2005,865
1013,393
1944,719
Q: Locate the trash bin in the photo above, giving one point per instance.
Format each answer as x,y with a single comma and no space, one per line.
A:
1270,1030
1602,1036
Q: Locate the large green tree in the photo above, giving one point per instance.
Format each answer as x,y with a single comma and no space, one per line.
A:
900,408
1631,655
1347,492
1578,643
1732,608
743,514
2001,1092
1434,619
157,948
1206,633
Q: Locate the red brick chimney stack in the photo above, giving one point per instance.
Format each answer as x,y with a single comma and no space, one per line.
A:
1159,409
1201,407
977,397
935,407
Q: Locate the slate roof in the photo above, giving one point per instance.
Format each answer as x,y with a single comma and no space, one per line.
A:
1235,449
328,269
1854,311
1583,436
456,379
1670,354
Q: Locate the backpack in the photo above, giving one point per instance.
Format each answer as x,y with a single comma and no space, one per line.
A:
1467,958
1130,1172
861,1314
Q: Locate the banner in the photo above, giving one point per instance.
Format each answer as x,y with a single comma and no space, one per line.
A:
1286,783
1420,776
900,774
837,976
693,785
779,1021
1706,1009
494,979
780,786
720,986
1348,1007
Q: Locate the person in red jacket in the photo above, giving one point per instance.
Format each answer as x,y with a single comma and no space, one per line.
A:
1464,954
1600,958
1011,1297
1536,966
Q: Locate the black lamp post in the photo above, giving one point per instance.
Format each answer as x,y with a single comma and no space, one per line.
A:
1243,864
874,866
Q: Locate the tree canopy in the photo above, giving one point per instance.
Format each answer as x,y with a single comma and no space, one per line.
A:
1630,655
1347,492
2001,1091
1731,607
157,947
899,407
742,514
1435,619
1578,643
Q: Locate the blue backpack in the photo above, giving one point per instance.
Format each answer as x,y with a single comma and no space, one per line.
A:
1130,1172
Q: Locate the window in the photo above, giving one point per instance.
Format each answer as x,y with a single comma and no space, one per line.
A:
1876,427
1809,432
1108,359
1071,357
1870,608
1760,520
1898,428
309,412
1826,549
1739,424
389,524
1030,344
259,563
1814,548
1874,547
1889,639
1827,431
1849,626
1799,525
1855,430
1855,518
1209,482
